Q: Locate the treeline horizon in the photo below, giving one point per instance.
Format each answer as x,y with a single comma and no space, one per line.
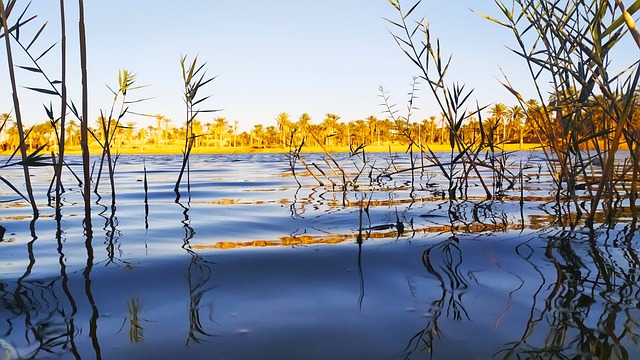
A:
504,124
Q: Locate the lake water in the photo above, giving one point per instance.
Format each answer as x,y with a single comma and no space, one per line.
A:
249,265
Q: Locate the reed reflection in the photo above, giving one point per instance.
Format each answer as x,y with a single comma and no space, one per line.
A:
136,331
199,274
112,234
581,293
36,313
591,301
443,261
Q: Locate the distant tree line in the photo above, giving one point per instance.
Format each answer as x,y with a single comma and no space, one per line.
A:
503,124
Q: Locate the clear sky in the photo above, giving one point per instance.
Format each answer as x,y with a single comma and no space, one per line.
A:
269,56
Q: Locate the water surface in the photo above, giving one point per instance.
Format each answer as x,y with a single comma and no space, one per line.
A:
247,264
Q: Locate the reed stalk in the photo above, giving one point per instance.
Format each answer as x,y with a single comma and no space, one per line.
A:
63,107
84,122
415,40
294,156
591,104
57,123
194,79
345,177
4,13
631,24
110,127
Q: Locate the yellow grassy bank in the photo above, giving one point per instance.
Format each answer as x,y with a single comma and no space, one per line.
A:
175,149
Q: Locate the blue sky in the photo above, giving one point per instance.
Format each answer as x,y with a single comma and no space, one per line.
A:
273,56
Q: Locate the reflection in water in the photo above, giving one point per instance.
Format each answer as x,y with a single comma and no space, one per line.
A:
506,270
93,321
581,294
33,310
136,331
64,283
198,278
112,234
591,304
444,262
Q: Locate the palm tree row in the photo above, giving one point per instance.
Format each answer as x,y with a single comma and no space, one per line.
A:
505,124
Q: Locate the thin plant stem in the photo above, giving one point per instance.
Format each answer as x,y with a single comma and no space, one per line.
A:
84,126
16,105
63,107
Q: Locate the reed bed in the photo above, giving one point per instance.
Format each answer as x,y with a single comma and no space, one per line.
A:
584,126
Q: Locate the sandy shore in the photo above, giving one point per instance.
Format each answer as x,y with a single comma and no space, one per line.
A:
174,149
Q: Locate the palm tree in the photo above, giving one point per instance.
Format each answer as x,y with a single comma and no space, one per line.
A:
141,136
372,122
432,129
5,121
383,129
257,133
159,132
4,118
165,133
208,130
235,133
74,132
533,115
516,115
130,126
360,127
283,126
302,125
329,127
220,126
271,136
498,112
471,129
196,131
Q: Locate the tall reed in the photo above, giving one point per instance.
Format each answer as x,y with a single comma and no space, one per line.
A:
110,127
58,123
194,79
63,106
572,43
84,121
415,40
5,11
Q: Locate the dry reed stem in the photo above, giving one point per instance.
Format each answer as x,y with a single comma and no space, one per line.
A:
84,121
63,106
16,104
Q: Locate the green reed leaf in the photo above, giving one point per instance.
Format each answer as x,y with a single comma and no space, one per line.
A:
44,91
137,101
29,68
36,36
45,52
49,111
10,185
621,20
411,10
393,23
